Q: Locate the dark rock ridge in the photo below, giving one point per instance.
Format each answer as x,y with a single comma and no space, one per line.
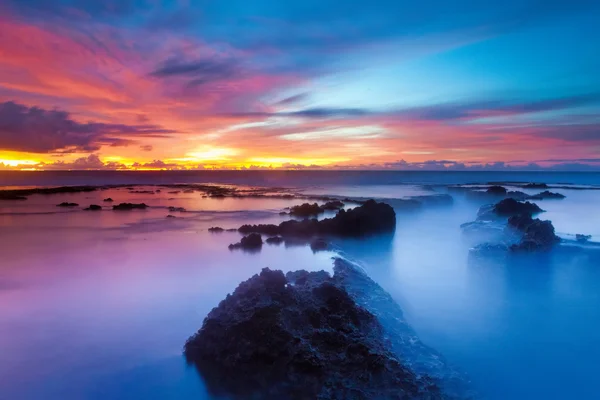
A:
370,218
307,335
130,206
93,207
275,240
537,234
251,242
509,207
4,196
20,194
66,204
142,191
547,195
216,229
108,200
333,205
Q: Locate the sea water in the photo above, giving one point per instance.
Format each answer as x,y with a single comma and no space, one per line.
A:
97,305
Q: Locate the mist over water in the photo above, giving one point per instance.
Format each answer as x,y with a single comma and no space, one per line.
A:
98,305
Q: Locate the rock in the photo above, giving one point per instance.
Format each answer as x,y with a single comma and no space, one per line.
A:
537,234
275,240
306,210
535,186
582,238
142,191
332,205
21,194
496,190
93,207
171,216
404,204
301,336
547,195
267,229
319,244
65,204
108,200
11,197
176,209
130,206
370,218
251,242
174,192
509,207
283,213
216,229
158,191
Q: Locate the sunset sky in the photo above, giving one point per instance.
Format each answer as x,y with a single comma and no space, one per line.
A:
146,84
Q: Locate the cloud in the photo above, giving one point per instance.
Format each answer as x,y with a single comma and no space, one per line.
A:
36,130
198,72
146,147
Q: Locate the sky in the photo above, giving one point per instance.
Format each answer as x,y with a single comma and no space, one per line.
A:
390,84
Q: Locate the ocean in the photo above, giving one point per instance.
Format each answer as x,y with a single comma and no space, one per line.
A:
98,305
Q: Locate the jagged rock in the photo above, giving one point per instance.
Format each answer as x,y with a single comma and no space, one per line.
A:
251,242
496,190
332,205
303,336
547,195
537,234
66,204
93,207
108,200
509,207
319,244
306,210
582,238
130,206
275,240
216,229
267,229
176,209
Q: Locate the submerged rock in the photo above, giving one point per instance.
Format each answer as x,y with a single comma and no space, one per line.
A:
496,190
93,207
66,204
171,216
216,229
176,209
307,335
275,240
319,244
108,200
251,242
582,238
130,206
11,197
547,195
535,186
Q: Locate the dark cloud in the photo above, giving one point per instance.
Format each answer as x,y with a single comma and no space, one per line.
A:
198,72
36,130
292,99
147,147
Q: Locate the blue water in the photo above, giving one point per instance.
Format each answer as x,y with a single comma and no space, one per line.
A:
98,305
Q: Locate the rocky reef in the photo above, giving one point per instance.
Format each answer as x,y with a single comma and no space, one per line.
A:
306,210
275,240
251,242
130,206
370,218
67,204
509,207
537,234
216,229
93,207
309,335
547,195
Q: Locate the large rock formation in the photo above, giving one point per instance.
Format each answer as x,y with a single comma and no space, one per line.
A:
306,210
307,335
372,217
509,207
251,242
537,234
